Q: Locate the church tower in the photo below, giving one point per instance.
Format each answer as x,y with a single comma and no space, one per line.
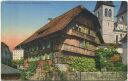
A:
104,10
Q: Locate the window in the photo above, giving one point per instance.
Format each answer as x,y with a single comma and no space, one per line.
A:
92,33
116,38
82,29
40,47
122,18
48,45
77,27
37,48
98,14
43,47
106,12
89,31
110,12
82,43
120,35
86,30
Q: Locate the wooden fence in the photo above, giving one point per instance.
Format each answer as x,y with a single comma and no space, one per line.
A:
87,76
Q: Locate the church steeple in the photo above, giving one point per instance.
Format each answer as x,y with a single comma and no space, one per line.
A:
123,8
104,10
100,3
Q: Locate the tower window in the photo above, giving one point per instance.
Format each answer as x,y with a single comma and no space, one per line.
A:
110,12
106,12
122,18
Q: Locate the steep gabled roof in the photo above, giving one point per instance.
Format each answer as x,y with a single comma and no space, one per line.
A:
100,3
4,45
123,8
5,69
58,23
55,25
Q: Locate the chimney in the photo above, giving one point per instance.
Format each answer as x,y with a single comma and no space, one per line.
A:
49,19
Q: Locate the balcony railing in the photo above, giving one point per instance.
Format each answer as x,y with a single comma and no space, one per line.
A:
82,35
75,49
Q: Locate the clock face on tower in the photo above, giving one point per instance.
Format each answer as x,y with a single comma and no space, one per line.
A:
121,28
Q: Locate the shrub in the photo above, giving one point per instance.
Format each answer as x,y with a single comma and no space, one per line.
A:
109,59
26,74
21,61
82,63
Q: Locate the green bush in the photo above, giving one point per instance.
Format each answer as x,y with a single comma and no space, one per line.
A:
23,74
120,67
26,74
21,61
32,67
82,63
47,68
104,60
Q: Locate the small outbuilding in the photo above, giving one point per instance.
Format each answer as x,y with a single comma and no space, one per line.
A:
9,73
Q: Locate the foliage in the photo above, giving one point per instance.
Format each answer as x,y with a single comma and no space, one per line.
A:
120,67
21,61
81,63
14,62
26,74
109,59
32,67
47,68
23,74
62,76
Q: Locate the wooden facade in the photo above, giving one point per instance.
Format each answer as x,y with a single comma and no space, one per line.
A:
76,32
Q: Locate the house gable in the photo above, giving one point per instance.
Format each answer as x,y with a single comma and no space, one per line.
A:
61,22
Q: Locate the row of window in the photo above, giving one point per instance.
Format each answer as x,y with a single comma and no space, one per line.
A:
39,47
84,44
42,57
83,29
107,13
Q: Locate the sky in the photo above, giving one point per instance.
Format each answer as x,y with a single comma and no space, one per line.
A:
20,19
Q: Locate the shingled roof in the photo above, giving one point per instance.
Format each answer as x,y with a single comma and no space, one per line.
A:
3,44
100,3
5,69
57,23
123,8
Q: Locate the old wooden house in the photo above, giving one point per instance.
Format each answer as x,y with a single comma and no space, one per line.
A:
76,33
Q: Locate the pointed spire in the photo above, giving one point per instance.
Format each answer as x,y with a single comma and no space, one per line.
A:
100,3
123,8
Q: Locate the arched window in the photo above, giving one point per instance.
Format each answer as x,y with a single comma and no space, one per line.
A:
116,38
122,18
110,12
106,12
